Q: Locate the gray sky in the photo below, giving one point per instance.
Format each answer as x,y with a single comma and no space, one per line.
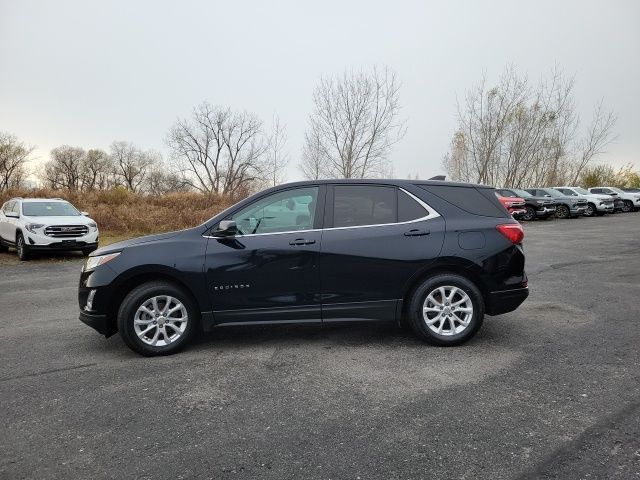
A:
86,73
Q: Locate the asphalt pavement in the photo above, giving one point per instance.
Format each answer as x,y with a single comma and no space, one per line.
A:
551,390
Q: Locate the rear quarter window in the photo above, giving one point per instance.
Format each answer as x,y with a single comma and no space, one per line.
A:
477,201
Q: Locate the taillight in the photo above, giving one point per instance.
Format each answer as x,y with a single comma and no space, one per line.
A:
512,232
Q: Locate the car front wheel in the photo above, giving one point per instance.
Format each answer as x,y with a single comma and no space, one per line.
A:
530,214
157,318
446,310
562,211
628,206
21,248
591,210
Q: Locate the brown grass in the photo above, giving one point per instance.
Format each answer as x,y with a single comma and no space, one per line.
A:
120,213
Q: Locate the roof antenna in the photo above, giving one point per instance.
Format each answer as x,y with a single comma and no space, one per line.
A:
438,177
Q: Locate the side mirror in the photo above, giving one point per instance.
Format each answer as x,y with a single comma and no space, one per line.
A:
547,195
226,228
86,214
12,215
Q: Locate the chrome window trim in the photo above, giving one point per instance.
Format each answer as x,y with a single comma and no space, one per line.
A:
432,214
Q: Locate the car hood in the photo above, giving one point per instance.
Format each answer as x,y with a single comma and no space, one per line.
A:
48,220
116,247
599,196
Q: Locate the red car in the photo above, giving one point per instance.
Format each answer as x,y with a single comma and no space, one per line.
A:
514,205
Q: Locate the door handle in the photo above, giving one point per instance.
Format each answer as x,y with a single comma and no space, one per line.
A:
302,241
415,232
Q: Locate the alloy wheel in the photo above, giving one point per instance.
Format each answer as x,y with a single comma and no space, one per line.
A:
447,310
562,211
590,212
160,320
530,214
627,206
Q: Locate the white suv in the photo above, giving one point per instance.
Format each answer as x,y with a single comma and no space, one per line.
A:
631,200
598,204
45,224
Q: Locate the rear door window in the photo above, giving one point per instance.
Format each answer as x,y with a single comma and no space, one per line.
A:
360,205
470,199
408,208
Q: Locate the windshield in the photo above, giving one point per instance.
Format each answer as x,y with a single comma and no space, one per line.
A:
566,191
552,192
521,193
49,209
582,191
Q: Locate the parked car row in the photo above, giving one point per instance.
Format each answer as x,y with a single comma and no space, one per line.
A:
567,202
45,224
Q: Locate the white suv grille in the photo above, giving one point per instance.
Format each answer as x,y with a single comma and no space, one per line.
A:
66,231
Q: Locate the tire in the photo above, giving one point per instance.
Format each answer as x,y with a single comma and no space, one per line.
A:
562,211
628,206
530,214
21,248
88,251
591,210
428,324
166,341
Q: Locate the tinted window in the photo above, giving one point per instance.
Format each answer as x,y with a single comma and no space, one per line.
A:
285,211
408,208
356,205
596,190
49,209
469,199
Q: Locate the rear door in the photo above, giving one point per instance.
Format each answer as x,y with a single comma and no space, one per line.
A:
376,238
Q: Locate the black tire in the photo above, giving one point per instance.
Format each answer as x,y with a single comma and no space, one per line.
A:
88,251
416,318
136,298
562,211
591,210
530,214
628,206
21,248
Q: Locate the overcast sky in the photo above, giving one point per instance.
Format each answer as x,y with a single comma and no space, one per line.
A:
86,73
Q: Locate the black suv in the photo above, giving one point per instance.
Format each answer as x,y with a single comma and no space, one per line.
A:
436,255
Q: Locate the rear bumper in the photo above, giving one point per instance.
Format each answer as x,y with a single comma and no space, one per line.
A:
505,301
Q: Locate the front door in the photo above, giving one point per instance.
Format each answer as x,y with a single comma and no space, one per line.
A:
269,271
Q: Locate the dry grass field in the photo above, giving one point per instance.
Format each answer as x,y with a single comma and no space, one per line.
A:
120,213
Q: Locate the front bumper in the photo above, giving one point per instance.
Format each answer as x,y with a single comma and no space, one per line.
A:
546,211
578,210
505,301
65,245
98,322
607,208
38,241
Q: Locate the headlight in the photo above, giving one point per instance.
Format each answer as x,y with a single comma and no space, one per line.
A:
93,225
32,227
93,262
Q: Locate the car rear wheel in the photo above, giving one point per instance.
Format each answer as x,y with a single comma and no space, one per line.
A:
530,214
591,210
628,206
21,248
562,211
446,310
157,318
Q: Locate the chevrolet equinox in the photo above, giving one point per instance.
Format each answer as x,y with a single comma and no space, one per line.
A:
434,255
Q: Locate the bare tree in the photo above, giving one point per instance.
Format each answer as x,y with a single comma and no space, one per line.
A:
98,172
131,164
516,134
277,158
65,169
14,156
353,126
599,135
217,150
